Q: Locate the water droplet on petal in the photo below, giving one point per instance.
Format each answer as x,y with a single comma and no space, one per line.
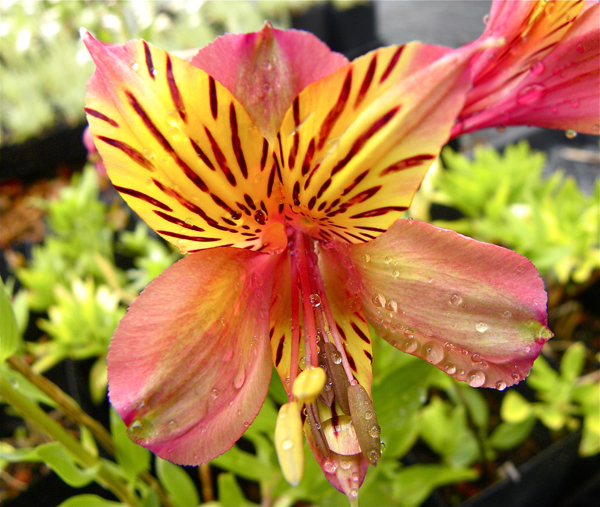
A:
134,65
329,467
501,385
345,464
456,300
571,134
537,68
433,352
392,306
516,377
214,394
476,378
579,48
375,431
507,314
315,300
379,300
395,273
365,257
409,345
240,378
450,368
486,18
354,493
482,327
530,94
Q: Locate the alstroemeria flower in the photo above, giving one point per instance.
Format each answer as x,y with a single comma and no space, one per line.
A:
278,167
547,74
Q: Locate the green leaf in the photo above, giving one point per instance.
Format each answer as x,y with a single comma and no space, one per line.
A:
572,362
476,404
515,408
509,435
230,493
9,335
59,460
89,501
415,483
132,457
243,464
14,455
177,484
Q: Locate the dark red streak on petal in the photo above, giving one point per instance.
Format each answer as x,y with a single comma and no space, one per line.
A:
350,359
100,116
363,196
236,142
296,108
356,181
312,173
368,236
143,197
357,238
279,354
364,87
200,239
369,356
324,187
212,94
294,151
249,201
362,140
336,111
149,63
312,202
177,221
280,147
271,181
406,163
174,89
322,206
132,153
219,202
296,194
243,208
221,160
379,211
202,155
265,153
360,334
374,229
308,156
392,64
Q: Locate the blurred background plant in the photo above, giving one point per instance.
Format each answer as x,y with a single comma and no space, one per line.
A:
68,292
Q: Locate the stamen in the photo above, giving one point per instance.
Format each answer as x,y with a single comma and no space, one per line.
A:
295,345
310,330
312,412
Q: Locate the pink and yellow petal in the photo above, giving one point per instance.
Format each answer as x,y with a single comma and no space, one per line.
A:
181,150
559,91
475,311
355,145
190,363
265,70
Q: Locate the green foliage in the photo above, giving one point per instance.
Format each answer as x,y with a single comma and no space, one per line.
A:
9,334
506,201
45,66
564,399
177,483
134,459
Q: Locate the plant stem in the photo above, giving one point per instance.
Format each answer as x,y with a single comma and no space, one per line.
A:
74,412
36,416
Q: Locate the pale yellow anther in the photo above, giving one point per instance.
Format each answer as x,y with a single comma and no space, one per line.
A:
289,442
309,384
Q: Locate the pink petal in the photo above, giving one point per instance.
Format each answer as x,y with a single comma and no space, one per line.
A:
265,70
476,311
190,363
559,90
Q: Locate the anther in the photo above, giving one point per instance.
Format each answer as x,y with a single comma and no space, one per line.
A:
364,420
340,382
289,442
309,384
312,412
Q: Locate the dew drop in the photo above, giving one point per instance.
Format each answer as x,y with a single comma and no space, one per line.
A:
375,431
537,68
134,65
450,369
354,382
267,65
302,363
345,464
501,385
214,394
579,48
148,154
368,415
516,377
482,327
287,444
240,378
329,467
456,300
336,357
433,352
172,426
476,378
530,94
259,217
365,257
355,476
392,306
409,333
486,18
395,273
354,492
266,87
246,424
507,314
379,300
571,134
476,358
315,300
596,127
353,286
387,259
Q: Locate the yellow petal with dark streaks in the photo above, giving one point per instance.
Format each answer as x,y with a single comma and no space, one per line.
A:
181,150
356,145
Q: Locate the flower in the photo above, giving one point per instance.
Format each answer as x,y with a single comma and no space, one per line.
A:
282,170
547,74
